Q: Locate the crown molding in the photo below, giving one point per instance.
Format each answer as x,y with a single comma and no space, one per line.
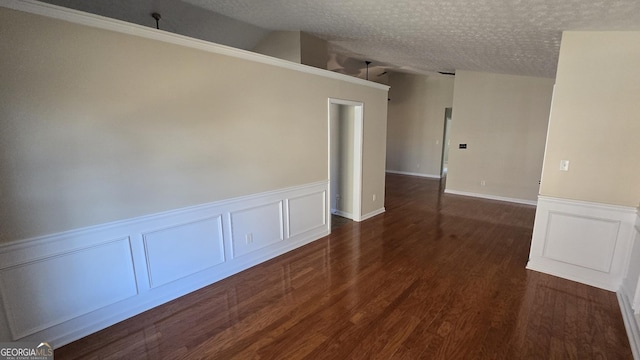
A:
101,22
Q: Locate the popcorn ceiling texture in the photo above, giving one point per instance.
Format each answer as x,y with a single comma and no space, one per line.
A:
520,37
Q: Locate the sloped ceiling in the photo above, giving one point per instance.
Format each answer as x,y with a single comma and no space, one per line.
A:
502,36
177,17
520,37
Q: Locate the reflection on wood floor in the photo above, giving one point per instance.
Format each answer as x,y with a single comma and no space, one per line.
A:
437,276
338,221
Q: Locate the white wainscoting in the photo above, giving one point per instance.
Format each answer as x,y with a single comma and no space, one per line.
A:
581,241
62,287
631,283
181,250
256,227
52,289
629,294
631,324
303,216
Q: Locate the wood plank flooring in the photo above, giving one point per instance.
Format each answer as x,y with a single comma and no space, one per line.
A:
437,276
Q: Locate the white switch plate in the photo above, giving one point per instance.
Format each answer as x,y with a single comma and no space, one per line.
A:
564,165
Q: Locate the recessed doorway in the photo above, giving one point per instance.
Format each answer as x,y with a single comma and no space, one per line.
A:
444,165
345,158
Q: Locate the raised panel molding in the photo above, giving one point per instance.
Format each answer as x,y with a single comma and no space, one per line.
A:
181,250
307,213
595,238
61,287
256,227
582,241
49,291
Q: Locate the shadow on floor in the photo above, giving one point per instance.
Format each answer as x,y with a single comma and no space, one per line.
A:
338,221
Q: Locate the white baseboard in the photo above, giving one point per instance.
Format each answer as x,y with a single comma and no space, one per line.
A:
630,324
372,214
492,197
61,287
362,218
344,214
582,241
430,176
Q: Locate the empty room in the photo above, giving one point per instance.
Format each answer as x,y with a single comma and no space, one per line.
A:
203,179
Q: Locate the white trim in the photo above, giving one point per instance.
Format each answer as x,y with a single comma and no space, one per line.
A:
588,204
66,321
372,214
46,239
345,102
630,324
101,22
358,131
414,174
288,221
585,242
552,268
343,214
492,197
631,283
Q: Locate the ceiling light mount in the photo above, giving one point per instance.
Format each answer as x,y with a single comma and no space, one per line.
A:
368,63
157,16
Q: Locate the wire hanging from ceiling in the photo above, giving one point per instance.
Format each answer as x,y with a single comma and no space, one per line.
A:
157,16
367,62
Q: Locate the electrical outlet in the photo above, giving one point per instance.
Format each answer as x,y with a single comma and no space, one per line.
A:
374,197
249,238
483,183
564,165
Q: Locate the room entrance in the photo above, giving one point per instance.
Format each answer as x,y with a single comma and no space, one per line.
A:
445,142
345,158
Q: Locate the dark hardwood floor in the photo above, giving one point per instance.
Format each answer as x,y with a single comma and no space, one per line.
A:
437,276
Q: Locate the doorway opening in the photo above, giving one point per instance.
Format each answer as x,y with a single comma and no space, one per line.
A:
345,158
444,164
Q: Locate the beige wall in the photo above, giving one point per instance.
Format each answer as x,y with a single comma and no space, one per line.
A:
282,45
180,17
100,126
313,51
342,161
416,122
595,120
503,120
295,46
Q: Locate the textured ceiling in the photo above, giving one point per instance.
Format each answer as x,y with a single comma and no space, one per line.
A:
177,17
503,36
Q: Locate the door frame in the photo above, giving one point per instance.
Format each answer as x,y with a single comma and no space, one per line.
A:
358,127
446,136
